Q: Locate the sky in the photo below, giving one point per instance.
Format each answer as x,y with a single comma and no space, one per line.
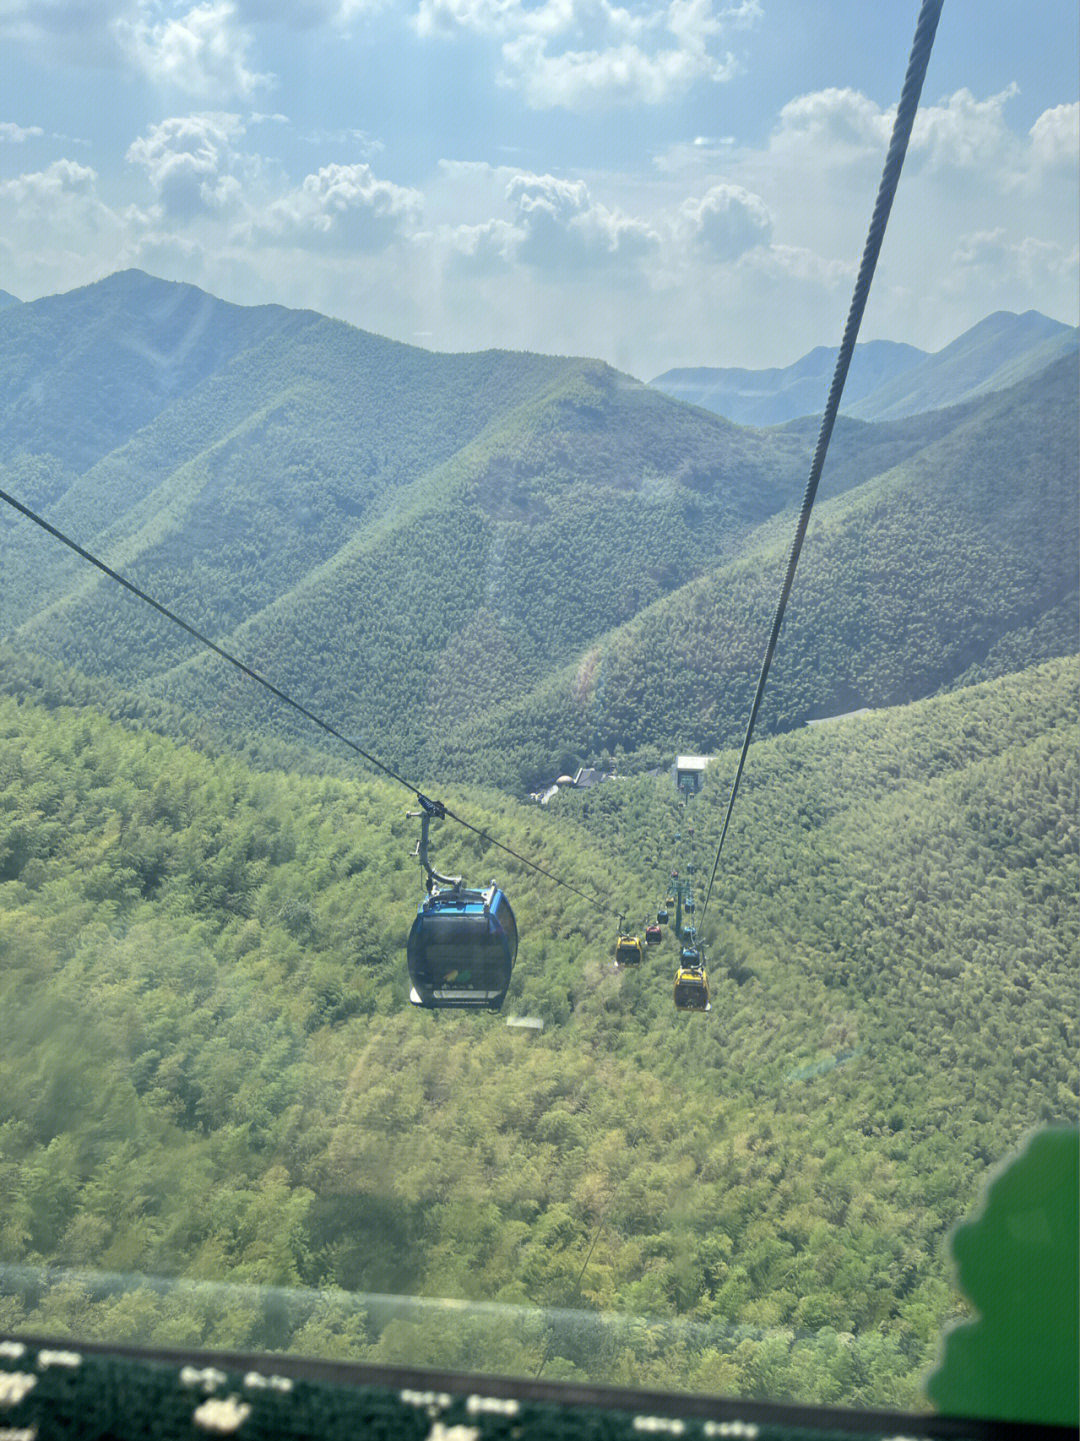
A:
685,182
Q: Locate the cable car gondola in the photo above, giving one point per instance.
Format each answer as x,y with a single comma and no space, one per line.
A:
628,951
662,916
653,935
463,943
692,988
462,949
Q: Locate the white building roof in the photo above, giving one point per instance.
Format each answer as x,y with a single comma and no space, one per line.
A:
691,763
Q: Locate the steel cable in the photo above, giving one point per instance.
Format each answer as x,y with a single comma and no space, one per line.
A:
283,696
923,43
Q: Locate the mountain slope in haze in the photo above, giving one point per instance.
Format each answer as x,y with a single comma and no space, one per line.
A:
770,397
960,561
249,1098
415,545
458,602
289,426
999,351
84,370
886,381
7,299
435,529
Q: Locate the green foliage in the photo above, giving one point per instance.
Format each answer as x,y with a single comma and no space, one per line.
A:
494,562
497,565
958,563
209,1070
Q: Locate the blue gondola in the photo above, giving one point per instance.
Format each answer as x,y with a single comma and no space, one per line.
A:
662,916
463,943
462,949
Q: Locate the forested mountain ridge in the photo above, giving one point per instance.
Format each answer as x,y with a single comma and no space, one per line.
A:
293,429
778,394
958,563
208,1066
999,351
85,370
886,381
446,552
407,517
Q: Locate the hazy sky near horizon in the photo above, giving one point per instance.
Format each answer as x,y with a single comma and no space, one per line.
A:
677,183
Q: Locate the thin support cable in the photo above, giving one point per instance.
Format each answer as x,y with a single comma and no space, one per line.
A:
922,45
284,697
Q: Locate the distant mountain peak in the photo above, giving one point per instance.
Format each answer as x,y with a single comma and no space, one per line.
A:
887,380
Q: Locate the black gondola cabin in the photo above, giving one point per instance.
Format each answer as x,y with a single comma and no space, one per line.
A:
462,949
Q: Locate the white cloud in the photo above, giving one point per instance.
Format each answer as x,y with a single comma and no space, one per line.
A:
565,230
1006,259
589,54
836,122
191,162
203,53
41,192
16,134
727,221
964,133
56,225
490,246
1055,137
618,75
835,128
340,206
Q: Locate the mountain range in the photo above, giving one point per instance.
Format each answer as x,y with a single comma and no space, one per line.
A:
503,563
886,380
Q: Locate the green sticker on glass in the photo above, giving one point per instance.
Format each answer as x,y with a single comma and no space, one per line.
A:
1017,1263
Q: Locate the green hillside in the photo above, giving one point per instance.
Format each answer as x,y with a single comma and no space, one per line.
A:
85,370
887,381
999,351
416,521
208,1067
771,397
959,562
494,564
258,469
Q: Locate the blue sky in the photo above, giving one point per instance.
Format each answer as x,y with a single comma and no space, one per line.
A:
673,183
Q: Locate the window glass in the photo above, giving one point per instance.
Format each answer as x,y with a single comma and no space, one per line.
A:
457,367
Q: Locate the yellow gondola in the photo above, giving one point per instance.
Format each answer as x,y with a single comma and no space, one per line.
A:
628,951
692,989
